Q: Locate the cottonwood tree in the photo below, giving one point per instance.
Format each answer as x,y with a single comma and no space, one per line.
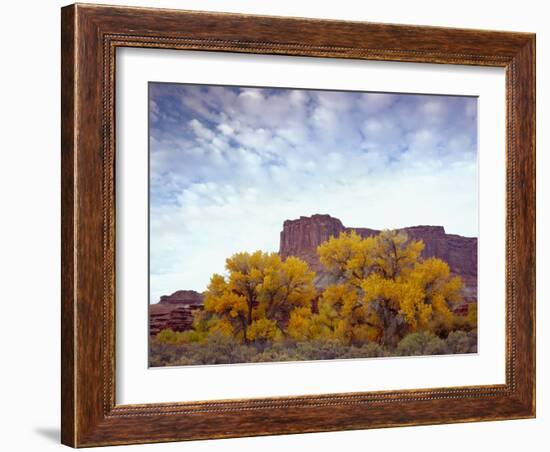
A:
383,290
258,295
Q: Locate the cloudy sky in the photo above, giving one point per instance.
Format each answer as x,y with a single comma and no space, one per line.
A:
228,165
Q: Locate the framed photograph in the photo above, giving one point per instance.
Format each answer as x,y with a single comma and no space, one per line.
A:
282,225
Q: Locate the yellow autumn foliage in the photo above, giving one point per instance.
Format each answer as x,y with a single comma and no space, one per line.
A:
258,296
383,289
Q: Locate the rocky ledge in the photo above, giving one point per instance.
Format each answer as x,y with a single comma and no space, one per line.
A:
174,311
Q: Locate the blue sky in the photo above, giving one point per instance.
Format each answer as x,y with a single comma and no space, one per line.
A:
228,165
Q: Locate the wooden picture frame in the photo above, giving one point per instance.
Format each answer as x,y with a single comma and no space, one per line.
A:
90,36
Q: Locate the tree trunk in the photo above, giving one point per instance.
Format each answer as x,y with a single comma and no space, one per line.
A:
393,324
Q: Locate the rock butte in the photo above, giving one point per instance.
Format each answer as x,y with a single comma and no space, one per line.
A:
301,237
174,311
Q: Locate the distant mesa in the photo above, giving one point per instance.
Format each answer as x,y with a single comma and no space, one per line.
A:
174,311
302,236
188,297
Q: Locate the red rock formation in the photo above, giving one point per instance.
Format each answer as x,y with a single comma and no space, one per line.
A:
182,296
302,236
174,311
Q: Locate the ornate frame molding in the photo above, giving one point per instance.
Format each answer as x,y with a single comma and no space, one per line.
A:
90,37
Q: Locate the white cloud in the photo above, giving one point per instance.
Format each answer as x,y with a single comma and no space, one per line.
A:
200,131
225,129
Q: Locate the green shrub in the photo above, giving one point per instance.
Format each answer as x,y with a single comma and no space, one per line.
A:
421,343
270,355
370,350
168,336
190,348
216,349
321,349
161,354
462,342
194,336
